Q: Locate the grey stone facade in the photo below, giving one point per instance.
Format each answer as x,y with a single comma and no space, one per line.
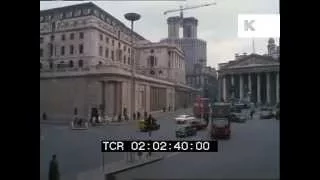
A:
86,61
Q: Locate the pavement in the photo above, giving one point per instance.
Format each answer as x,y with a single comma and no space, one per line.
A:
155,114
117,167
80,151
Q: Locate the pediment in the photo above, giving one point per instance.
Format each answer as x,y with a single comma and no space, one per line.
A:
252,61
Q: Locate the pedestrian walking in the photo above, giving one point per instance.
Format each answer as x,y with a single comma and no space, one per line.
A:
44,116
138,115
134,116
145,115
54,173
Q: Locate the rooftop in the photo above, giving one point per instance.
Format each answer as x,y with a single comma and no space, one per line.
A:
114,21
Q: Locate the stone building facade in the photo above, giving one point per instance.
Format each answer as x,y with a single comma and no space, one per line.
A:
87,60
253,77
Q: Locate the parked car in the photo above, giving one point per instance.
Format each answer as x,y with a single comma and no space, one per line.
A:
185,131
239,117
266,113
183,119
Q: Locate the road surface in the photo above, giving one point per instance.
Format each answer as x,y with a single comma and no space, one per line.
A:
251,153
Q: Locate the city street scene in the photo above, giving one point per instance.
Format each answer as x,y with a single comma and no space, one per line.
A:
157,70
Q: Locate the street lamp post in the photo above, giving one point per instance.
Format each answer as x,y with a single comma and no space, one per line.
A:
132,17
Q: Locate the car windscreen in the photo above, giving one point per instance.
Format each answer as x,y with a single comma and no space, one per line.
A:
220,122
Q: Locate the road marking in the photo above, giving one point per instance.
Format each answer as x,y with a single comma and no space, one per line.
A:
172,154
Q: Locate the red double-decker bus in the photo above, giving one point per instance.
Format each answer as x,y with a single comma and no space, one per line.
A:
201,107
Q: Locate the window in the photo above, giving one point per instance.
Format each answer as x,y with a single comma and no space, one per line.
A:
41,52
119,45
41,40
120,55
71,64
107,53
118,34
52,38
100,63
77,13
128,60
71,36
112,42
112,55
51,65
101,37
124,47
51,49
81,35
107,40
40,65
62,50
71,49
152,51
124,59
100,51
128,50
81,48
63,37
80,63
53,27
152,61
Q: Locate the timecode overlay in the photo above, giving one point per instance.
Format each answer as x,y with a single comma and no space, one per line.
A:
159,146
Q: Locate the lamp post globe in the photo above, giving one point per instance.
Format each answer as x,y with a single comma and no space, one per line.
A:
132,16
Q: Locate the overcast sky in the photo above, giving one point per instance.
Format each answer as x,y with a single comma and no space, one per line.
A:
217,24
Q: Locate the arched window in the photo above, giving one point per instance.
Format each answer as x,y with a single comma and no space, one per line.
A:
71,64
152,61
51,65
80,63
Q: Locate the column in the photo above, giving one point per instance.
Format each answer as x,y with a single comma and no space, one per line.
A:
224,88
258,89
277,88
232,87
249,87
241,86
103,98
268,88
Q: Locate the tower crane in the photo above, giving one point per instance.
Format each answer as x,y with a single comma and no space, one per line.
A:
185,8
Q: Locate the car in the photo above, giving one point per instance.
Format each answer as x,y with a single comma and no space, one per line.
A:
198,124
183,119
220,128
239,117
266,113
185,131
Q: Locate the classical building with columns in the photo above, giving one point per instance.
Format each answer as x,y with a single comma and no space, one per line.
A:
251,77
87,60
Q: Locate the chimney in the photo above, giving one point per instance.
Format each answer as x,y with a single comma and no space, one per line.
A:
236,56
